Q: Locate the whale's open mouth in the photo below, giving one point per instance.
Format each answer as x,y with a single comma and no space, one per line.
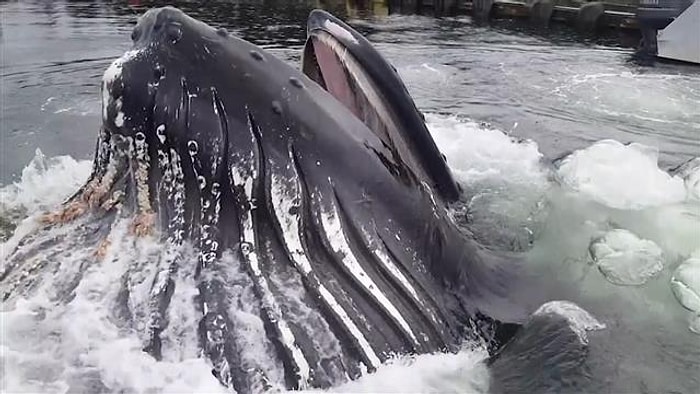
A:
347,66
328,62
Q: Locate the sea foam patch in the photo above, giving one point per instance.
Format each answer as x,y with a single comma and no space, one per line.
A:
685,283
504,179
45,183
625,259
621,176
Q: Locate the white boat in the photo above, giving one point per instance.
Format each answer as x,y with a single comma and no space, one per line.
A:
680,40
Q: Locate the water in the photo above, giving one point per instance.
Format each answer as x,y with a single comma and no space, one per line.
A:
535,126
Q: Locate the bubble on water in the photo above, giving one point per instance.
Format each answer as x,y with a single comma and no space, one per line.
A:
621,176
625,259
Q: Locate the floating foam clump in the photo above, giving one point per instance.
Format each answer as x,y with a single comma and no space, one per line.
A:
621,176
685,283
625,259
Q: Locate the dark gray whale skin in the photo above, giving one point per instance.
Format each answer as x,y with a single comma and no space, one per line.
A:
253,118
209,141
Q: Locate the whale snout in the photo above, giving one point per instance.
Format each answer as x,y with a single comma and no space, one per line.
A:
160,25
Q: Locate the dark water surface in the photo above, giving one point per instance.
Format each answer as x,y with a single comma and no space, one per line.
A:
552,87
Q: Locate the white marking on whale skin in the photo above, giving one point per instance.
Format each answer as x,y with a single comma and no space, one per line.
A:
192,148
165,186
283,204
141,175
110,75
339,31
330,220
207,253
119,119
115,69
428,191
382,255
160,132
177,222
250,256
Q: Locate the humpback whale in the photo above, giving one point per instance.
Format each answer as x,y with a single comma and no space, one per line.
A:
321,188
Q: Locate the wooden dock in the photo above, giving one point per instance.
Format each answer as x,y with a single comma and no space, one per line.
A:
584,15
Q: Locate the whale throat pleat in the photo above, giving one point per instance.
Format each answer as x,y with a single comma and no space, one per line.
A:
289,203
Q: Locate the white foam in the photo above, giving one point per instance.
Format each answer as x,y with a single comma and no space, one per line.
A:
463,372
621,176
45,183
626,259
51,343
476,153
504,179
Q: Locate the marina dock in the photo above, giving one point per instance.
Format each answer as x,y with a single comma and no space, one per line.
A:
640,23
584,15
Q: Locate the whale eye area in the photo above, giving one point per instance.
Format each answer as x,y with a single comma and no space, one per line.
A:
174,32
164,25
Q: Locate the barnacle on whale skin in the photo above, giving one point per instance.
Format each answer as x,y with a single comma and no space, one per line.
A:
143,224
69,212
102,248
